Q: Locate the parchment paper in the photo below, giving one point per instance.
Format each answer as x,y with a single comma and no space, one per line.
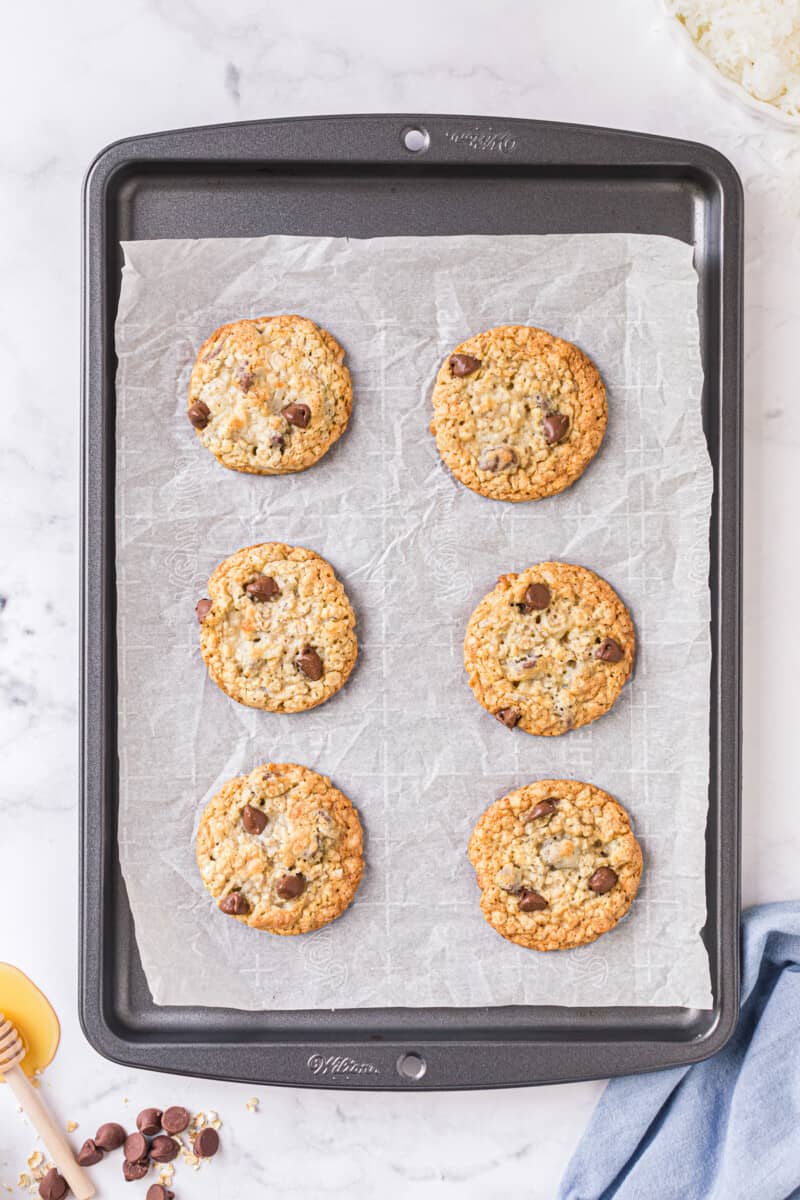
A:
405,740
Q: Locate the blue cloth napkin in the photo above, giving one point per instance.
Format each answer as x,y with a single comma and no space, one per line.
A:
724,1129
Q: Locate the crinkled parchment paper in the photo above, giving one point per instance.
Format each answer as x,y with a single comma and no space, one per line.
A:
405,740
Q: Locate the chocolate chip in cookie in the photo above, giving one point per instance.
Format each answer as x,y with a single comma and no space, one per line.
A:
609,651
463,364
199,414
603,880
497,458
203,608
544,808
297,414
244,378
310,663
289,887
263,587
253,819
508,716
235,905
530,901
537,597
555,426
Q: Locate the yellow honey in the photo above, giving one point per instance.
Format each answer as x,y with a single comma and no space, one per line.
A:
31,1012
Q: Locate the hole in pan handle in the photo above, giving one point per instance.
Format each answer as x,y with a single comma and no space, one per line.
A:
416,139
411,1066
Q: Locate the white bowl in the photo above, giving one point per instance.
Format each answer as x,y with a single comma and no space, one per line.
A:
722,82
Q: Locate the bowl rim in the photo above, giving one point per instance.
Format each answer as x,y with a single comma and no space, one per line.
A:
723,81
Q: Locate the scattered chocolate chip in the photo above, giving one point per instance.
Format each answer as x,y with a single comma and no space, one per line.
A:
253,819
291,886
244,378
135,1170
309,662
235,905
555,426
263,587
163,1149
497,458
537,596
135,1148
149,1121
463,364
603,880
543,809
206,1144
110,1136
531,901
609,651
157,1191
508,716
53,1186
199,414
176,1119
277,441
203,608
89,1153
297,414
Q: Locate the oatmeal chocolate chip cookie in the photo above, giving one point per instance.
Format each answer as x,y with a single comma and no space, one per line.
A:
557,864
281,849
550,649
517,413
276,629
269,395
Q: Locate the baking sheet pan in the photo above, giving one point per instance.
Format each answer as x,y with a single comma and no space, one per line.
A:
355,176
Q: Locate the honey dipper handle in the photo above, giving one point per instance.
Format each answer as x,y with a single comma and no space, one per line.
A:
57,1145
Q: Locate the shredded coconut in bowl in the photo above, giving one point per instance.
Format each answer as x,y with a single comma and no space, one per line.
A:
755,43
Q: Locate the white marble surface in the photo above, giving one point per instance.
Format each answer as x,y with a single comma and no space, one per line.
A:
78,76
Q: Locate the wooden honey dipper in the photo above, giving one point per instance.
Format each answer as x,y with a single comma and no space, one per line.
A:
12,1052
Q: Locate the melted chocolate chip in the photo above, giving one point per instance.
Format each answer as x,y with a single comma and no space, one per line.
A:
609,651
530,901
537,596
508,716
253,819
603,880
289,887
203,608
543,809
199,414
244,378
309,662
263,587
297,414
555,426
235,905
497,459
463,364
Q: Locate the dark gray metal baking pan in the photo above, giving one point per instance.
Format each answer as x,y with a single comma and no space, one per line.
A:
355,176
